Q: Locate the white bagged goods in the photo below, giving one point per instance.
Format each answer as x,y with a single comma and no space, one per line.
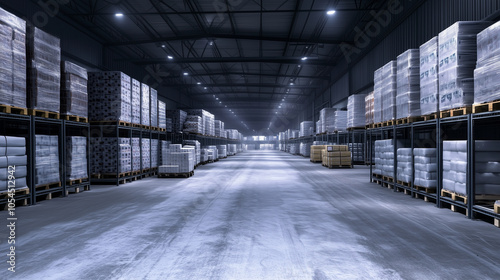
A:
356,111
162,115
76,157
425,163
384,156
327,120
408,84
13,153
487,177
389,91
404,168
305,149
13,60
145,105
110,155
109,96
146,153
455,166
47,159
136,154
136,101
319,127
377,95
429,85
457,60
219,129
165,145
154,153
197,147
178,118
369,109
222,151
306,128
294,149
486,82
203,155
44,70
340,121
232,149
194,124
154,108
74,94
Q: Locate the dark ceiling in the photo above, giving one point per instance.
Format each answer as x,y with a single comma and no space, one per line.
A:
244,54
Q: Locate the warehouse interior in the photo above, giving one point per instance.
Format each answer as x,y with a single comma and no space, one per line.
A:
230,139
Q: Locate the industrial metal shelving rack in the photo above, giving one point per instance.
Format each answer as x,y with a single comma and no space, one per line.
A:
72,128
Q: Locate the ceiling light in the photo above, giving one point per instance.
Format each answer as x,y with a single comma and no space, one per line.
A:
217,98
170,57
198,83
186,73
300,66
330,12
211,43
279,107
292,84
304,58
225,106
205,87
283,99
118,15
220,102
162,46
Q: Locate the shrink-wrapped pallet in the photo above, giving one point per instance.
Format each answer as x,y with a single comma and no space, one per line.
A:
162,115
319,127
146,153
306,128
194,124
76,157
369,108
408,84
339,121
208,120
109,96
197,149
357,150
110,155
377,95
154,108
74,94
486,82
487,167
327,120
178,160
47,159
136,101
145,105
178,118
13,153
222,151
455,166
404,168
429,85
425,163
136,154
154,153
389,91
305,149
356,111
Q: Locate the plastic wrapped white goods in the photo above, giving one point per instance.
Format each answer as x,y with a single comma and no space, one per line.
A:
356,111
319,127
389,91
153,107
194,124
47,159
197,147
377,96
136,101
162,115
486,82
145,105
154,153
207,118
13,60
146,153
222,151
74,93
369,108
305,149
13,152
109,96
425,164
404,165
488,44
306,128
327,120
408,84
136,154
178,118
454,92
110,155
454,166
429,60
76,157
340,121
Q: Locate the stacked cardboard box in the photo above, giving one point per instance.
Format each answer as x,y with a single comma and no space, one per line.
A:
177,160
208,120
457,59
146,153
487,177
356,116
429,78
44,70
47,159
13,60
162,115
316,152
222,151
136,154
136,101
74,96
486,82
13,153
154,153
178,118
154,108
145,105
336,156
76,157
110,155
425,163
389,91
197,147
306,128
109,96
369,109
194,124
408,84
405,167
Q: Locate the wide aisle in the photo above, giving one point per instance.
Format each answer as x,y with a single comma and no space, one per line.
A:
257,215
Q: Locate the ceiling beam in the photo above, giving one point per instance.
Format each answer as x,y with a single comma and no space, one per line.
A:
250,85
247,92
326,78
275,59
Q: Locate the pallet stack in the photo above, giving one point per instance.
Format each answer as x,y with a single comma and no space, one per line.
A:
47,160
13,153
429,84
389,91
305,149
306,128
136,154
162,115
146,154
74,95
369,109
154,108
425,161
222,151
194,124
316,153
327,120
455,167
109,96
76,158
177,160
197,148
178,118
154,153
136,101
356,116
145,105
408,84
486,82
110,155
404,165
219,129
487,168
336,156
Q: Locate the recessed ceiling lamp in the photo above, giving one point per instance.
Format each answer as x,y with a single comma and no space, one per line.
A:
186,73
198,83
170,57
330,12
118,15
304,58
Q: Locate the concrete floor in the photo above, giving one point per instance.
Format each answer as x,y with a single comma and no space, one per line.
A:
257,215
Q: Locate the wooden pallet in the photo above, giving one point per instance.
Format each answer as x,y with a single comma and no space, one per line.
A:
17,192
405,184
333,166
134,173
426,190
75,190
409,120
378,176
110,175
48,186
455,112
497,211
175,175
454,196
44,114
430,117
13,110
388,179
162,129
316,161
120,123
74,118
486,107
76,181
135,125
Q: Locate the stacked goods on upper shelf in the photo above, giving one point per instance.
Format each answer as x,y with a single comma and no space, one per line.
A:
178,118
336,156
154,108
74,96
306,128
389,90
294,148
109,96
219,129
136,154
487,177
222,151
136,102
305,149
44,70
154,153
327,120
232,134
76,157
13,60
47,159
369,109
319,127
146,153
169,125
13,153
357,151
292,134
457,59
177,160
339,121
429,83
455,166
377,95
316,152
194,124
408,84
404,168
425,162
145,103
162,115
486,82
207,119
356,111
110,155
197,147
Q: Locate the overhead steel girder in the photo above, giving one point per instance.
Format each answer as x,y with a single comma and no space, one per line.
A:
247,92
250,85
230,36
327,78
276,59
227,101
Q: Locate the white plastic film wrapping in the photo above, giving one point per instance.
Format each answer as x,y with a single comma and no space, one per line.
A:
369,108
327,120
154,153
136,101
232,149
110,155
340,121
389,91
306,128
487,167
429,86
356,111
178,118
377,95
208,120
384,158
408,84
194,124
358,151
162,115
13,152
76,157
109,96
13,60
44,70
222,151
136,154
146,153
219,129
145,105
454,166
74,94
197,146
178,159
154,108
319,127
47,159
165,145
425,167
486,82
305,149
